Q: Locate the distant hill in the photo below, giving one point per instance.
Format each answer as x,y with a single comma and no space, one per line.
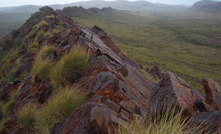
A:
206,6
142,6
21,9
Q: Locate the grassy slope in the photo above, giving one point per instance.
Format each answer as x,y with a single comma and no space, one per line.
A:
149,44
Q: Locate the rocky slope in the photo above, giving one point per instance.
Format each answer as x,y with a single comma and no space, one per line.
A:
207,6
117,93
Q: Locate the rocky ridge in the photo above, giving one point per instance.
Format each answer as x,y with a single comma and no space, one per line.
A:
117,93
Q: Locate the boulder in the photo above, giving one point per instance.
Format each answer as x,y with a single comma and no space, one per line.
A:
209,122
156,71
175,92
213,92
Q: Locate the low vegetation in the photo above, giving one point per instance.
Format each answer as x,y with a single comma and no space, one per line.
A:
2,123
43,23
41,67
58,107
72,62
8,107
39,36
26,116
144,39
169,122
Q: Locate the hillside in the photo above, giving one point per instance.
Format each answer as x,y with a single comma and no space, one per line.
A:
206,6
13,17
142,6
58,77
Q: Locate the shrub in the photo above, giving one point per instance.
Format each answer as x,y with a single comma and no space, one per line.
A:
14,32
26,116
9,106
58,107
19,41
7,41
73,62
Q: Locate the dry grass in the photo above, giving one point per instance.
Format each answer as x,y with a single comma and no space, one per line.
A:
7,108
58,107
41,67
26,116
74,61
171,121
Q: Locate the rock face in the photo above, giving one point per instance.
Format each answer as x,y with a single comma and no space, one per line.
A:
213,93
118,94
172,89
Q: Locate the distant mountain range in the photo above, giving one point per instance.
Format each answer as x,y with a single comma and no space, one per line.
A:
142,6
207,6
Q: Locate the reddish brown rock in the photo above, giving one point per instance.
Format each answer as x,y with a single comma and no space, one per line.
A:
213,92
91,118
208,122
156,71
118,93
107,41
6,92
175,92
32,93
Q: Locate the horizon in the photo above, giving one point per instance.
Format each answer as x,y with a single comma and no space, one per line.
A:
55,2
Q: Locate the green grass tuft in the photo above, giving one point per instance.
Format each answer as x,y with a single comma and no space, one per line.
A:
26,116
73,62
41,69
45,52
2,123
43,24
42,66
169,122
58,107
9,106
33,47
39,36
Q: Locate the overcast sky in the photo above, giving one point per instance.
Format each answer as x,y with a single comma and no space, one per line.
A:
4,3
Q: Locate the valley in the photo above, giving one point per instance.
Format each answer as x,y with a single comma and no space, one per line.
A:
155,39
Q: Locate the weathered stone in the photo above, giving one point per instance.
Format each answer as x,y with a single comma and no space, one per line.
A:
213,92
208,122
156,71
90,118
175,92
6,92
26,65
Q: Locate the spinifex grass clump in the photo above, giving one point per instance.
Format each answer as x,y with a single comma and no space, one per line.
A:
42,66
169,122
58,107
26,116
9,105
72,62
